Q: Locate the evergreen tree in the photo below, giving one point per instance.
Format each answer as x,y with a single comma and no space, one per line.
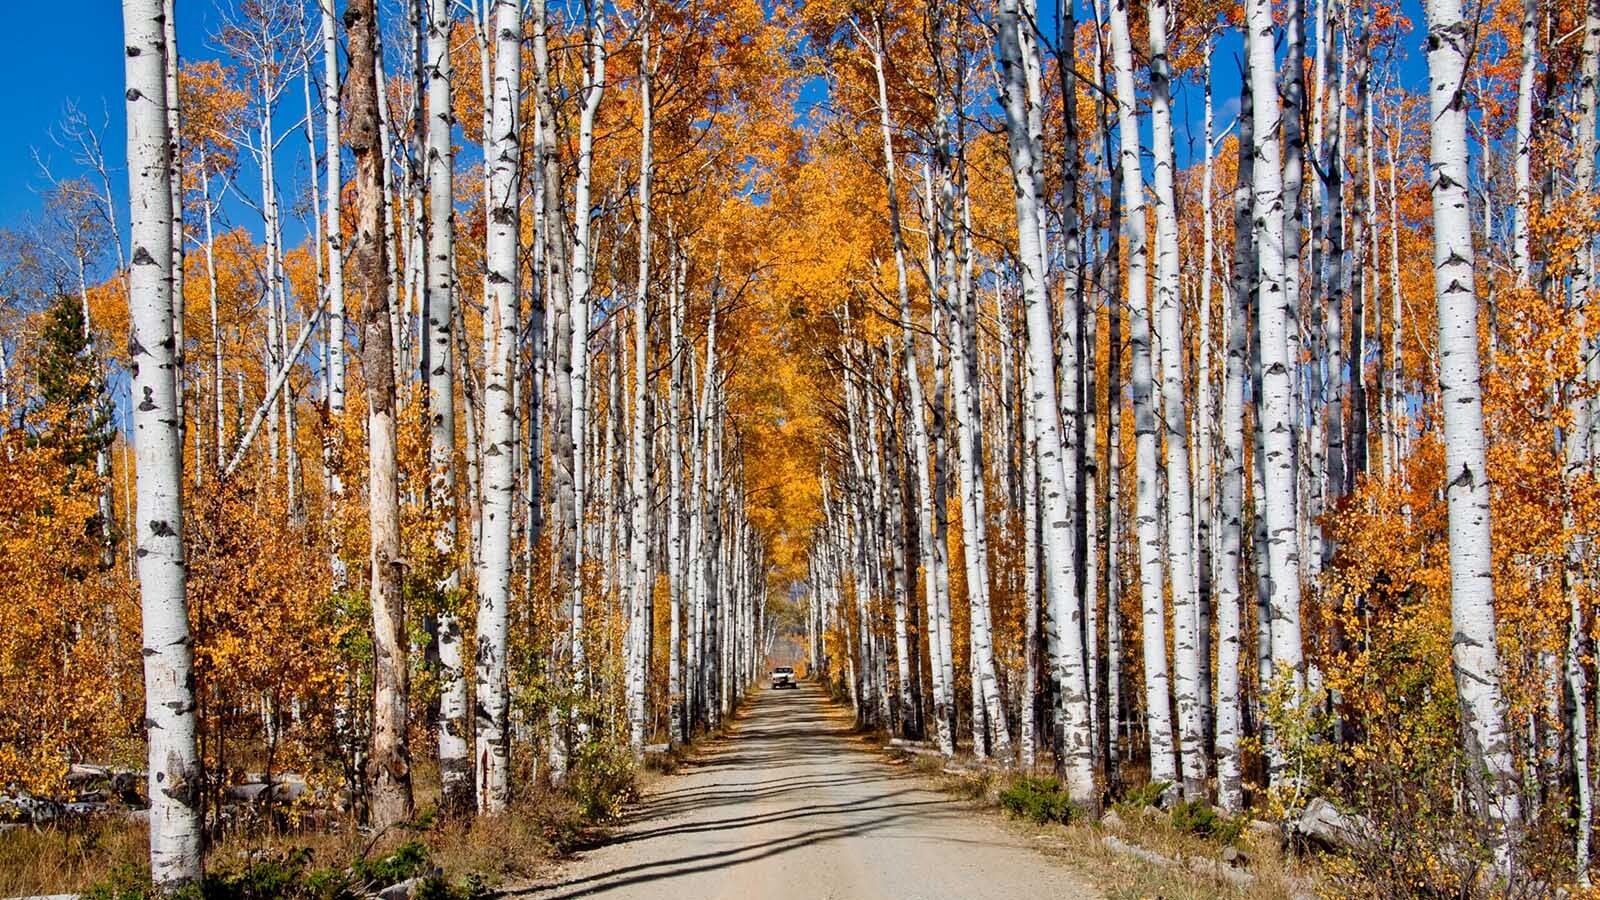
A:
75,418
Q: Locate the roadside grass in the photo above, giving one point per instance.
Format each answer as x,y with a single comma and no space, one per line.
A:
1194,833
108,858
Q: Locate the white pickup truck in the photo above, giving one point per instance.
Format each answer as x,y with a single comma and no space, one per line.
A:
783,677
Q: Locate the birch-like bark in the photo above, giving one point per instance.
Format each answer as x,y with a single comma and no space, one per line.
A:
389,761
1522,166
175,155
1179,500
174,779
1061,579
1230,563
677,726
492,741
455,761
333,230
581,279
1158,705
1276,408
1579,452
921,451
1475,655
640,590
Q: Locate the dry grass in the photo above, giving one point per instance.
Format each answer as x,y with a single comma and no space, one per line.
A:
538,828
59,860
1278,876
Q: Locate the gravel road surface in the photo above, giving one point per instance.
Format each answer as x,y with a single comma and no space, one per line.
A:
790,805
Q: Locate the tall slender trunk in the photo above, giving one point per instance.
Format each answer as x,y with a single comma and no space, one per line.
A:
333,230
1580,451
1158,703
455,762
1475,655
678,725
1230,769
175,778
921,452
581,279
389,761
1276,407
1186,622
641,623
1061,577
492,743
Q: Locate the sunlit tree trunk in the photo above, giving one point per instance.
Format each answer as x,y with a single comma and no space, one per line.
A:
1578,453
678,725
174,778
581,279
1186,622
1522,167
1475,655
1230,563
1276,406
492,744
921,450
555,255
455,763
639,587
1060,572
1158,704
389,762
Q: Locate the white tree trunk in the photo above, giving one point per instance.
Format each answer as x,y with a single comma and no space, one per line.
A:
1060,567
1186,622
1522,167
581,278
1275,409
1158,705
455,761
333,231
640,589
174,764
921,452
1230,561
678,731
1475,654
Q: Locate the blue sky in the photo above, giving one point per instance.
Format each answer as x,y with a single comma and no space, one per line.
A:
55,59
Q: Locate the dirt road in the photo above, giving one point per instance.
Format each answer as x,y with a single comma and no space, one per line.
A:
792,806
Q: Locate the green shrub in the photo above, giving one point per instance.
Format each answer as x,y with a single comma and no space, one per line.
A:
1148,794
1039,800
601,780
1199,818
407,861
124,883
285,877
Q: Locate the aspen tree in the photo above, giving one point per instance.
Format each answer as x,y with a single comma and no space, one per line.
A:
492,745
1158,703
174,779
1186,622
1577,453
1475,657
640,590
389,762
1230,562
455,761
1077,754
581,276
1275,410
934,576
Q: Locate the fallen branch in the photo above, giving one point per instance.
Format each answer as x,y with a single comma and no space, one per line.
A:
1199,865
